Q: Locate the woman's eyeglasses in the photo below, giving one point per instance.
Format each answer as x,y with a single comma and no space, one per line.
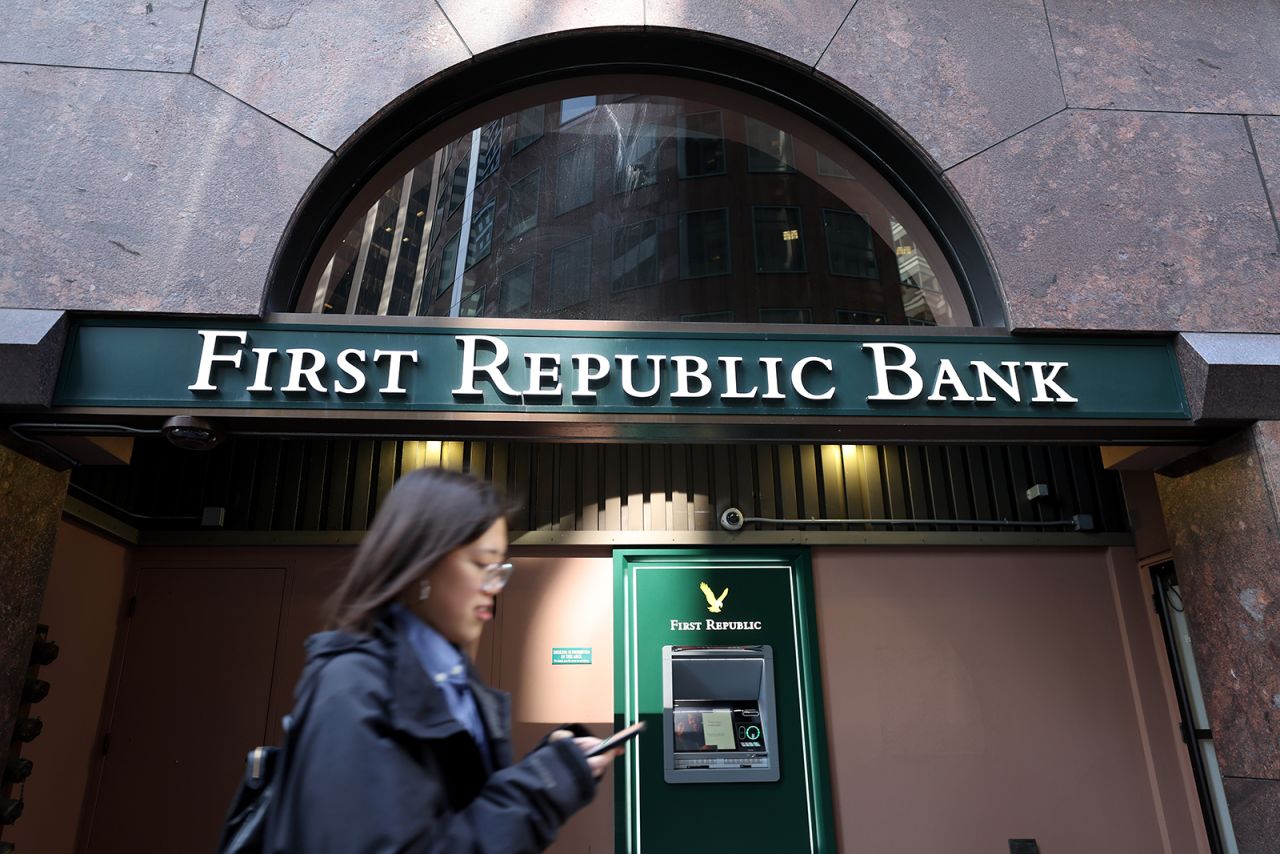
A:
496,576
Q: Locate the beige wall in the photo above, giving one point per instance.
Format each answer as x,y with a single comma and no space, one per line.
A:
81,607
977,696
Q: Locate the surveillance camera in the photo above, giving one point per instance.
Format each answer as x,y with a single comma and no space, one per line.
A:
732,519
192,434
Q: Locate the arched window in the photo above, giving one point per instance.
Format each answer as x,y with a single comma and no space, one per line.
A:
640,197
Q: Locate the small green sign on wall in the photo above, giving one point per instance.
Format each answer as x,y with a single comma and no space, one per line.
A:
570,655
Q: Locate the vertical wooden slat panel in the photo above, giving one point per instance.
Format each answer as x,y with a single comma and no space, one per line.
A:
894,487
452,455
658,487
939,499
567,468
679,488
589,513
809,486
478,459
388,459
288,492
269,479
612,520
520,485
917,485
766,482
871,482
701,519
958,481
1002,503
787,487
244,481
833,504
1080,467
411,456
364,483
977,470
721,485
431,452
1064,491
854,489
633,513
313,490
335,518
1020,479
500,469
543,487
744,474
1038,463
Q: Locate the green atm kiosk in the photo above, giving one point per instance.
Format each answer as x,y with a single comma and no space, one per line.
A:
716,652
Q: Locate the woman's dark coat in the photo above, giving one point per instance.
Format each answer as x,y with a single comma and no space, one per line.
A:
380,765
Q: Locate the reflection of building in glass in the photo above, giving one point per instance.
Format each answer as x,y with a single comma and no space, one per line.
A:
631,207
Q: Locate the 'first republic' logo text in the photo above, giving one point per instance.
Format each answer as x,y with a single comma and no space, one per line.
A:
715,604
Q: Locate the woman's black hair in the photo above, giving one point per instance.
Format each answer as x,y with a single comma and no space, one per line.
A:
429,513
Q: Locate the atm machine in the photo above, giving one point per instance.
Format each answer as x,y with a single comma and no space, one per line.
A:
716,651
719,724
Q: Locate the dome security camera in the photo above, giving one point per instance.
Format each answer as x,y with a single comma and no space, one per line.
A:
192,434
732,519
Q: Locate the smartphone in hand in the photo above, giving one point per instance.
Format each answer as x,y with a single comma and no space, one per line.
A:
619,738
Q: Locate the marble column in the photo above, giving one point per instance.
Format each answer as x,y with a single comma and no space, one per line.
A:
31,498
1222,511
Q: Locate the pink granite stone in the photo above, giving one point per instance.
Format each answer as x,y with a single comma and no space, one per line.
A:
1128,221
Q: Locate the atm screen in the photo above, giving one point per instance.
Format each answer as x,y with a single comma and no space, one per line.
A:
718,727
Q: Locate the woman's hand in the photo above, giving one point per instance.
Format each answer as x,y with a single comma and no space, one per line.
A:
599,763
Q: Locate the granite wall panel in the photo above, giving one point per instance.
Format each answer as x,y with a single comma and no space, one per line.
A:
1103,220
31,498
1255,813
488,25
798,29
1265,131
1169,55
159,35
928,65
131,191
316,67
1224,531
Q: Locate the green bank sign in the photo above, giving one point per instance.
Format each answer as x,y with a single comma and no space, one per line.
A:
313,366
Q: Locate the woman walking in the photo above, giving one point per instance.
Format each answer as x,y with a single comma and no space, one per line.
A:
400,747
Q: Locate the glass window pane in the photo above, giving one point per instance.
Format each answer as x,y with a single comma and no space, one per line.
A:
448,267
635,255
572,108
831,168
701,145
709,317
859,318
704,243
472,304
458,187
570,274
490,150
480,239
522,208
779,240
785,315
769,149
850,245
529,124
515,291
637,162
575,178
638,169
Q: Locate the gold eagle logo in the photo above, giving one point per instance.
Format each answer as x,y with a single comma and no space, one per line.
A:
714,605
